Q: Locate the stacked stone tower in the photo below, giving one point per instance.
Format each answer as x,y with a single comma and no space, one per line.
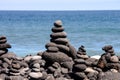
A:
59,49
108,60
4,45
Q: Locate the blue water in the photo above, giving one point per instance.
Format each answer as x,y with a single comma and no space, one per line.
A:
28,31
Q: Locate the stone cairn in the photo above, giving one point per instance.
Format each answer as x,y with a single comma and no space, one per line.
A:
3,45
59,49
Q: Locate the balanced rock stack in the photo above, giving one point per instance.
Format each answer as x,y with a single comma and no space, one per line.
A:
81,53
109,60
59,49
4,45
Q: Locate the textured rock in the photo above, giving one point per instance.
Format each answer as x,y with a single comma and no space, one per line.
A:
109,76
56,57
79,67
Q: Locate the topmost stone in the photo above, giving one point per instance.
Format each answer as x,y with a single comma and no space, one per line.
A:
58,23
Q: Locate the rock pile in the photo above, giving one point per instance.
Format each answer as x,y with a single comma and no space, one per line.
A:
4,45
109,60
60,61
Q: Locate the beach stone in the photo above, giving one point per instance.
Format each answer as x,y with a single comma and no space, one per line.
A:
111,51
79,61
51,69
73,52
16,65
92,76
63,41
57,29
36,65
3,41
58,35
79,67
50,77
5,45
109,76
27,58
82,56
35,75
58,23
107,47
63,48
114,59
3,51
52,49
50,44
114,70
36,57
113,66
56,65
2,37
79,76
55,57
64,70
9,56
68,64
90,70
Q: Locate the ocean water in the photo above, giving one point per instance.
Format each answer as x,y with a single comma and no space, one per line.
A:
29,31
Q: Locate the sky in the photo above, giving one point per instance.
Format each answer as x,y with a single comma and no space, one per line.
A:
59,4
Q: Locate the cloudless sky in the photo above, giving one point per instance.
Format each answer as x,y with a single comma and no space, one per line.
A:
59,4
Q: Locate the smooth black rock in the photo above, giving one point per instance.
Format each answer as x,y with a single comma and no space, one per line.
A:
6,45
3,41
50,44
57,29
58,23
79,67
63,48
55,57
58,35
63,41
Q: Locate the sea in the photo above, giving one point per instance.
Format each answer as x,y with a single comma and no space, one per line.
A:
29,31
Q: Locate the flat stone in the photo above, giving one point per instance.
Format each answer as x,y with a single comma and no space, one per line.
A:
58,23
51,69
90,70
83,56
68,64
79,76
6,45
58,35
35,69
56,57
3,41
9,56
57,29
63,48
64,70
2,37
107,47
109,76
27,58
63,41
79,67
114,59
36,65
56,65
50,44
35,75
52,49
36,57
79,61
3,51
114,70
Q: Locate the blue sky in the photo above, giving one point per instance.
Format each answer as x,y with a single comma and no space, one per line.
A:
59,4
